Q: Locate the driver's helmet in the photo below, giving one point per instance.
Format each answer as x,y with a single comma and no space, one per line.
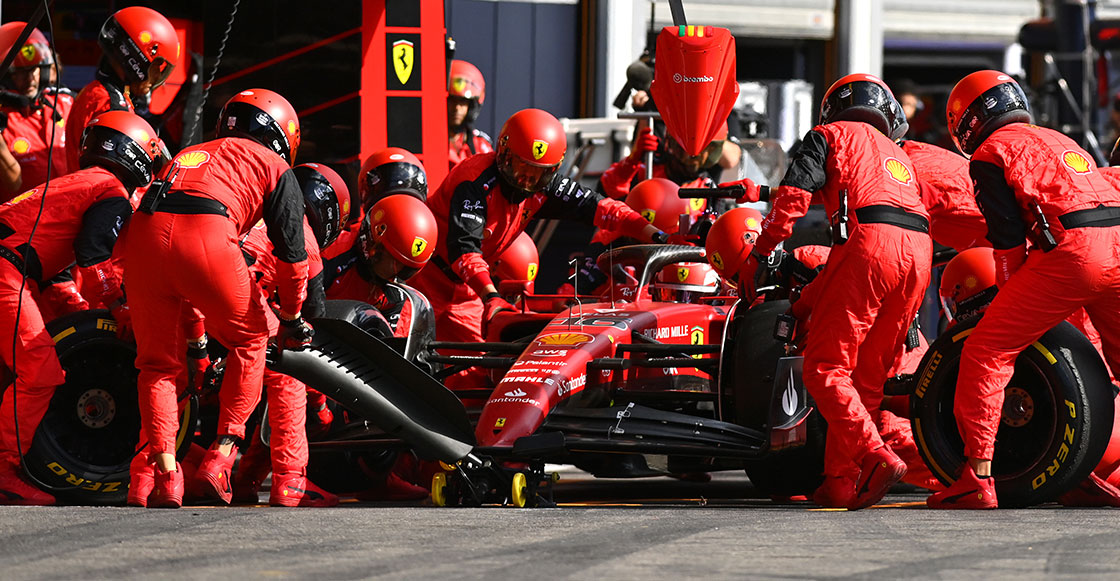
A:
680,282
265,117
865,98
126,145
530,149
35,52
982,102
398,236
657,201
465,82
969,280
326,201
142,43
519,261
730,241
682,167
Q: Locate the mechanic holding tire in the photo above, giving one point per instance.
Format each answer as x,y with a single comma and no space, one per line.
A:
183,246
875,277
87,210
1034,184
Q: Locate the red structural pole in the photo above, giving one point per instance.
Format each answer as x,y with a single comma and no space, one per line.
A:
404,81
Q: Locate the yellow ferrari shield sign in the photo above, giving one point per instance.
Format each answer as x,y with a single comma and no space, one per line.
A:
403,58
682,273
418,246
539,148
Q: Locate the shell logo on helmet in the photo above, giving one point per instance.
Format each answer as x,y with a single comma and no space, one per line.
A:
682,273
20,146
292,127
898,171
192,159
145,37
418,246
564,339
539,148
1076,162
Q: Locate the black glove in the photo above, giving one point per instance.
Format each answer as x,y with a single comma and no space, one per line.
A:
294,334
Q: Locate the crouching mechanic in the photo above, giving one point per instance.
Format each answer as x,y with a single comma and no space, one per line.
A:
487,200
875,276
86,212
1026,178
327,208
183,246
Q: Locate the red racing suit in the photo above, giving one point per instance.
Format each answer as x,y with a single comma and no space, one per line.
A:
1015,168
86,211
287,397
28,136
478,221
188,249
954,218
463,146
875,280
105,93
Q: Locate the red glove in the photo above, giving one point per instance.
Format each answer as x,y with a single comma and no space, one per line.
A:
124,321
64,298
752,192
198,361
294,334
494,304
1008,261
747,275
644,143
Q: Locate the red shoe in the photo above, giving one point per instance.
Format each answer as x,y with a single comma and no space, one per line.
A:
141,480
1092,492
252,469
167,489
294,489
16,490
835,492
394,488
970,492
879,470
213,478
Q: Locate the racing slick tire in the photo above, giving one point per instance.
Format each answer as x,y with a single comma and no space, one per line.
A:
789,472
1056,420
88,436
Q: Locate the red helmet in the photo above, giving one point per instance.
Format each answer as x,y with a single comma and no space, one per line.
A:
35,52
264,117
124,144
657,201
531,147
981,103
391,171
731,239
326,201
866,98
674,280
967,275
405,229
141,43
681,166
519,261
465,82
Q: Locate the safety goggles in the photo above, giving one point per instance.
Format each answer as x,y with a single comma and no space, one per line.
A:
525,175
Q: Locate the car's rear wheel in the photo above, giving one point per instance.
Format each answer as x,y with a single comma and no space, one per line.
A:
1056,420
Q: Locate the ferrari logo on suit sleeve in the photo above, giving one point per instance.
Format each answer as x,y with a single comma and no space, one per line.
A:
402,60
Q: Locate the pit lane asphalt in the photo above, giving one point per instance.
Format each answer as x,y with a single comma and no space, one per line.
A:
603,529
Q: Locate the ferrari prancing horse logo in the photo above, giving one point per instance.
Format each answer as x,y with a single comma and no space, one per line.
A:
539,148
682,273
418,246
402,60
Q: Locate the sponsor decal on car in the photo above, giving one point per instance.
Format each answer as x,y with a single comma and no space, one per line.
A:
568,339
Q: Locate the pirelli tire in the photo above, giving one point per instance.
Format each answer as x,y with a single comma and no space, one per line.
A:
1056,422
88,436
789,472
